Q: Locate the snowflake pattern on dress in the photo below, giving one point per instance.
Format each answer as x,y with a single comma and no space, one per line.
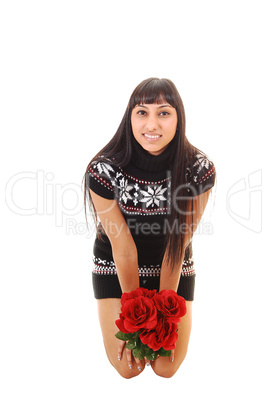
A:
202,171
143,197
133,195
153,196
124,190
104,168
202,162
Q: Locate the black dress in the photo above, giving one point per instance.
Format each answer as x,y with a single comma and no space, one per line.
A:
142,190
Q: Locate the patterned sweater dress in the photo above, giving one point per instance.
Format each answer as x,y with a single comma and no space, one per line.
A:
142,190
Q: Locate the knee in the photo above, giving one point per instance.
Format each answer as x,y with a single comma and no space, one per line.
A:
165,373
127,373
122,366
167,369
124,371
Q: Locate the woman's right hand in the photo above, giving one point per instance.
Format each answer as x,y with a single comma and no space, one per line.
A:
129,357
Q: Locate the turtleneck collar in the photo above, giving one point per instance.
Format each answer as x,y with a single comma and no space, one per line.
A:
151,163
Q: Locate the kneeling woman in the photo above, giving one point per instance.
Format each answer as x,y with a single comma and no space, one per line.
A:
148,188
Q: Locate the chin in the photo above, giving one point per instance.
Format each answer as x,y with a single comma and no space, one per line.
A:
153,149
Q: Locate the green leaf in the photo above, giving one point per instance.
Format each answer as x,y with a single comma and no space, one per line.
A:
146,348
131,344
136,334
139,344
123,337
139,353
151,354
164,353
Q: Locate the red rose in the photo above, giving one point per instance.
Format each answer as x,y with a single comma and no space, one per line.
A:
164,335
137,293
137,313
171,305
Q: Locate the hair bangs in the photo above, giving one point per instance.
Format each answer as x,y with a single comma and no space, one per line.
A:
153,91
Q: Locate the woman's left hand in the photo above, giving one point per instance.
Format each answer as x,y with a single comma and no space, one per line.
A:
172,355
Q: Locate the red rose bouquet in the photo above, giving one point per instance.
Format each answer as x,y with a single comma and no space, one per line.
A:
149,322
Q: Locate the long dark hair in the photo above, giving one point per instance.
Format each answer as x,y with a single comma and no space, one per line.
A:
119,149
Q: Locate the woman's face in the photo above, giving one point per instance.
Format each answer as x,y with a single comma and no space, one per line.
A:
154,126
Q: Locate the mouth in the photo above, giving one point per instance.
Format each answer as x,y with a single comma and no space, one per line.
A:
152,137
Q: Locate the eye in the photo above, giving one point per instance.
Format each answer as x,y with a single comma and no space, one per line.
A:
164,113
141,112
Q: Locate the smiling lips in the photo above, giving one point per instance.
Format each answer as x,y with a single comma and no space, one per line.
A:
151,137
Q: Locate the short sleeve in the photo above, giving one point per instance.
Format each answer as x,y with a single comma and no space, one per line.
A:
100,179
200,176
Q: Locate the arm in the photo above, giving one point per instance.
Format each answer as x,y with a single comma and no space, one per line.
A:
123,246
124,253
168,279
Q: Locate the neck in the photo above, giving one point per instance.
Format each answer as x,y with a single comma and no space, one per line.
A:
146,161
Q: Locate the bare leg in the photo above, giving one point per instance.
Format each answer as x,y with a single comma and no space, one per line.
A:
163,365
108,311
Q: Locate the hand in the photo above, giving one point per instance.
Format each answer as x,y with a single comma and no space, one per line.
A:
129,356
128,353
171,358
172,355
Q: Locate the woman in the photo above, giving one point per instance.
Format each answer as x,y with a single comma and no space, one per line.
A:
148,188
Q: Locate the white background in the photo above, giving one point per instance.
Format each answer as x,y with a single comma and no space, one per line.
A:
67,71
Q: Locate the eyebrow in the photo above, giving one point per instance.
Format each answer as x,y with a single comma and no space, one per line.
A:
159,107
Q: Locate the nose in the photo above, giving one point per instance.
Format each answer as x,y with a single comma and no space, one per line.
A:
152,123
